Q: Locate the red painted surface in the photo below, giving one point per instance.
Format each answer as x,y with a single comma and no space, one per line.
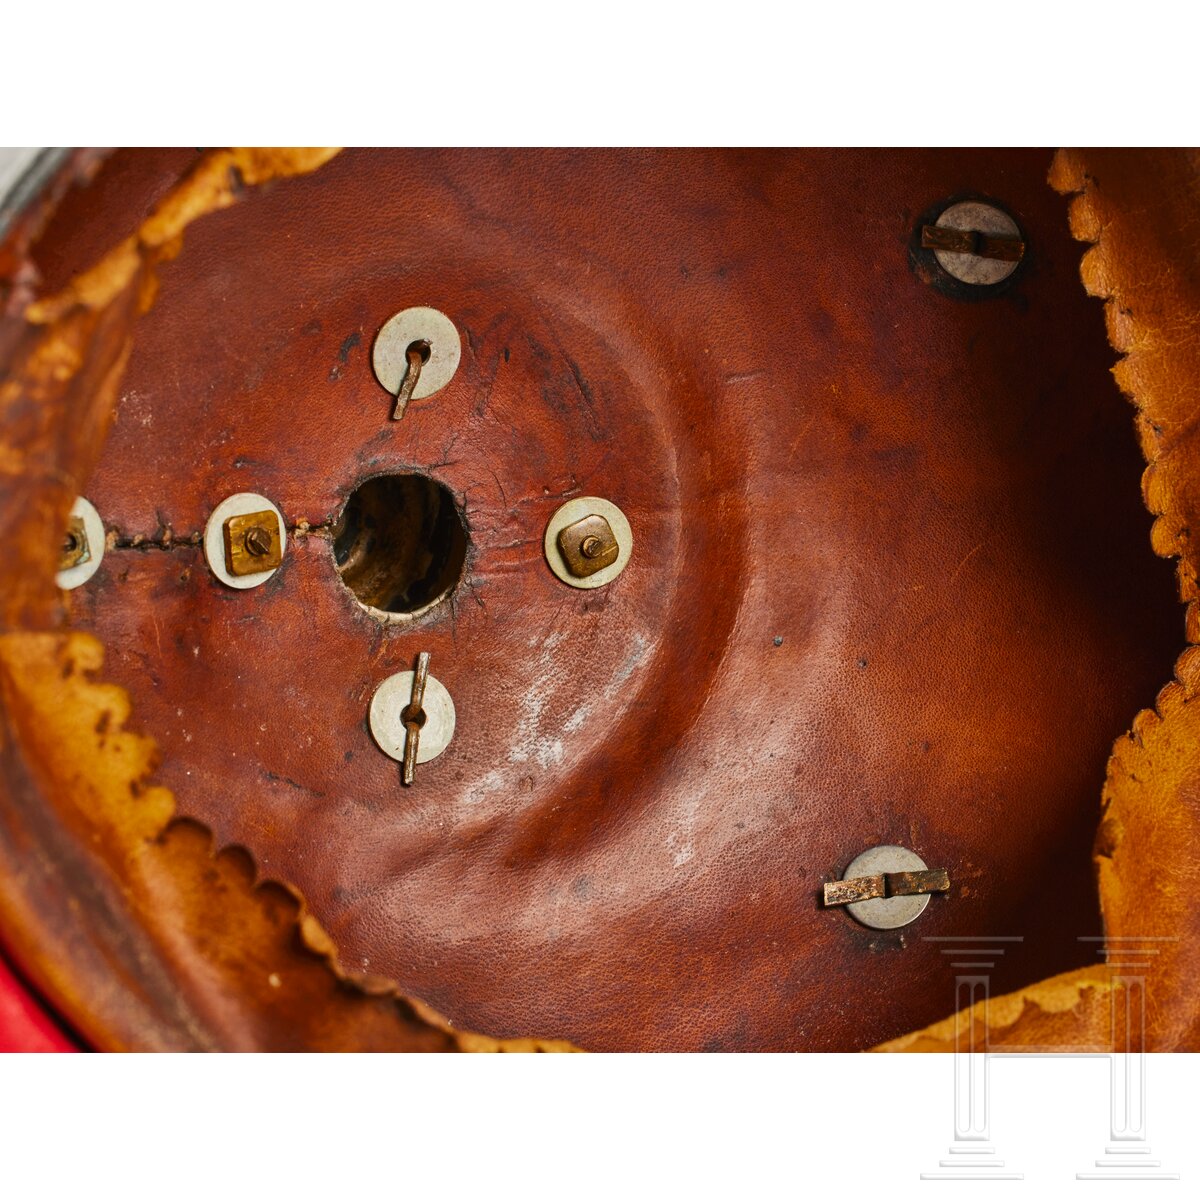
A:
25,1025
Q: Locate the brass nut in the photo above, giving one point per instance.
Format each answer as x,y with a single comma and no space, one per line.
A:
75,548
82,547
252,543
588,542
588,546
245,539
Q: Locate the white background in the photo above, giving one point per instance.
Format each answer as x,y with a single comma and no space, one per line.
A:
561,1126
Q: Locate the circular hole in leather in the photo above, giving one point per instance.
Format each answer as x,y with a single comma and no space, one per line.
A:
399,544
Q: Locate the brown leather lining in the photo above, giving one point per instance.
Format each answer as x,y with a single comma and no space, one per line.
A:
186,848
1137,209
162,943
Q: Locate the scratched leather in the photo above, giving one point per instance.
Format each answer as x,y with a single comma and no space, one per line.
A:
891,581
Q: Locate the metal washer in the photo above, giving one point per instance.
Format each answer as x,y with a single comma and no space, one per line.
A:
983,218
390,354
72,577
576,510
392,697
886,912
214,537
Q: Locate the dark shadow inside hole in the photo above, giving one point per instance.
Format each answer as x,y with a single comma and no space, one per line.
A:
399,543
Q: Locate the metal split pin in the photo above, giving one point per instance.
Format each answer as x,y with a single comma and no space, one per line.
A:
413,717
416,356
973,242
884,887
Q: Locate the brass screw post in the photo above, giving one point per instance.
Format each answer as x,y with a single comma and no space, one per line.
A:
75,549
587,542
588,545
257,541
253,543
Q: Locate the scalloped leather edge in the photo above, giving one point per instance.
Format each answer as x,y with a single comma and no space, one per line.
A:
1169,537
68,321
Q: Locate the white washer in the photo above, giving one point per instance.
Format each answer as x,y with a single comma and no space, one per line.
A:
390,355
93,528
214,537
576,510
392,697
886,912
983,218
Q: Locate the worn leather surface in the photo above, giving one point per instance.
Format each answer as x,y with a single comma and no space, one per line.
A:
1136,209
891,581
167,942
142,933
